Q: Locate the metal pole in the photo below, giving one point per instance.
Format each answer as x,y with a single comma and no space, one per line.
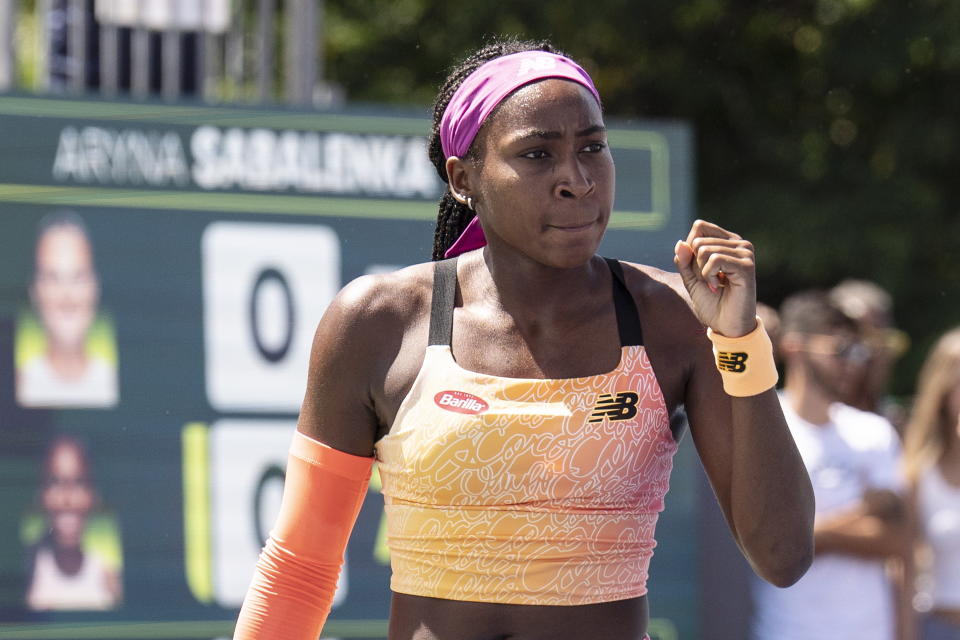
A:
42,15
319,19
140,62
234,52
8,60
265,43
77,44
172,59
325,94
109,59
210,63
308,50
293,58
309,38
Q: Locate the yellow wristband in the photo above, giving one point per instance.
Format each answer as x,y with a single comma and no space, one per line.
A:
746,364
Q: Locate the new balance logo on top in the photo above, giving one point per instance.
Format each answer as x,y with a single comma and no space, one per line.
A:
732,361
622,406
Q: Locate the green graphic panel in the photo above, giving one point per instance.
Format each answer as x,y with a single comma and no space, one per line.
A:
202,282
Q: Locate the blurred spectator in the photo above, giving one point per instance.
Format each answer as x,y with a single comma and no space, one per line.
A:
771,322
63,573
852,457
872,309
64,371
932,463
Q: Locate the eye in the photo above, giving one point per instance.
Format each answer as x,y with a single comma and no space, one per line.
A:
536,154
595,147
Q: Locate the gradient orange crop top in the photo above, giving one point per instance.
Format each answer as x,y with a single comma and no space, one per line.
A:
526,491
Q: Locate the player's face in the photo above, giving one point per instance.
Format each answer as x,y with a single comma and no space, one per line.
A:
65,287
67,496
546,177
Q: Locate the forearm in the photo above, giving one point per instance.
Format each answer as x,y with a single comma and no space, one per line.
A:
859,533
296,575
288,599
771,499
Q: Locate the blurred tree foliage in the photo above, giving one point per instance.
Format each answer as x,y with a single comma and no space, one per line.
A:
824,128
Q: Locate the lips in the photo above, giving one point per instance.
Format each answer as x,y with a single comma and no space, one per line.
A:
573,227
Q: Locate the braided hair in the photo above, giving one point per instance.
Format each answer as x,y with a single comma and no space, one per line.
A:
454,216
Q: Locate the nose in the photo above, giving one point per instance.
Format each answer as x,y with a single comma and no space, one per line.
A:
574,180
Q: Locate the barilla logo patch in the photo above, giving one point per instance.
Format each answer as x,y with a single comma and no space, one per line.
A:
460,402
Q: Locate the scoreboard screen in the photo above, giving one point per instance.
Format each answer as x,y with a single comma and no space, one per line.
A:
162,272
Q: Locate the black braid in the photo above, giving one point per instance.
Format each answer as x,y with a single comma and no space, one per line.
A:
453,216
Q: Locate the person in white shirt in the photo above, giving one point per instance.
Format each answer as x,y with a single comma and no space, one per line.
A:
65,292
871,306
852,457
932,463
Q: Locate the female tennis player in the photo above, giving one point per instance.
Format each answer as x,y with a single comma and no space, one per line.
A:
517,392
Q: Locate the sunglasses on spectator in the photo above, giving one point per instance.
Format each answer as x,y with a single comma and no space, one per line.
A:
892,342
850,349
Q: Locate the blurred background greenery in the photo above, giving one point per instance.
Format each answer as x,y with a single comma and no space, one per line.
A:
826,130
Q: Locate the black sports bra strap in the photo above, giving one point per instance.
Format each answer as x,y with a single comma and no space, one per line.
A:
444,297
445,292
628,318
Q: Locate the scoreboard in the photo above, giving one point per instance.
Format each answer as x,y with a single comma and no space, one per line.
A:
191,251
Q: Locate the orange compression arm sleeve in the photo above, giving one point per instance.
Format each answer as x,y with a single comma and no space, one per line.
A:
296,575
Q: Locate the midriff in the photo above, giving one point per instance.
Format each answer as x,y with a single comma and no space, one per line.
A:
423,618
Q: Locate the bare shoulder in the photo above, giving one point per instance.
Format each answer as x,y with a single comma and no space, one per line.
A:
661,291
383,302
373,316
365,337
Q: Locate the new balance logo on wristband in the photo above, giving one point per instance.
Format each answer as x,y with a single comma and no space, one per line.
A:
622,406
732,361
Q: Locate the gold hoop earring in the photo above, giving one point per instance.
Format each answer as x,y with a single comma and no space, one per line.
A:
470,203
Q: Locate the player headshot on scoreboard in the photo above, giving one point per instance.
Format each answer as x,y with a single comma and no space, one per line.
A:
65,348
74,556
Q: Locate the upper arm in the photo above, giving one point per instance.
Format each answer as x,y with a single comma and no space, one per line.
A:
710,412
356,343
687,362
707,405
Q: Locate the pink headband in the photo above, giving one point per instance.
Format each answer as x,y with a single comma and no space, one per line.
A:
480,94
493,81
